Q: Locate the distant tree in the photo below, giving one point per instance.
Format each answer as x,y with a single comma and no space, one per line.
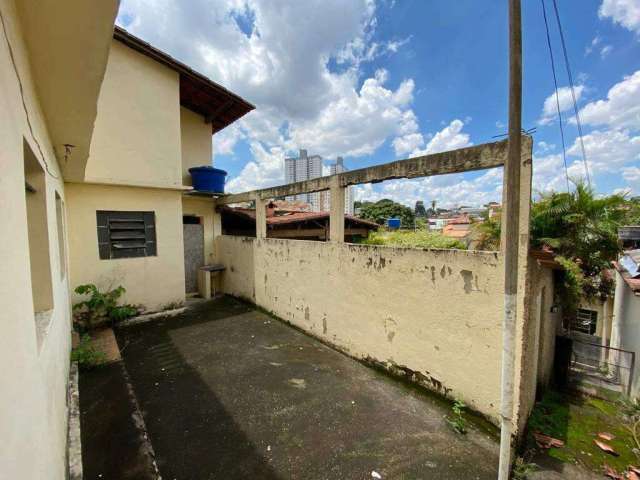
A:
419,210
383,209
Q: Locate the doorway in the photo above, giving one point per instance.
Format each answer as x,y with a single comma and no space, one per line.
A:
193,235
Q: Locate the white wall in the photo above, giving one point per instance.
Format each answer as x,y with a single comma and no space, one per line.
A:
34,374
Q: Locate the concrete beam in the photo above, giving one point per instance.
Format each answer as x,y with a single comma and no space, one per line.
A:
479,157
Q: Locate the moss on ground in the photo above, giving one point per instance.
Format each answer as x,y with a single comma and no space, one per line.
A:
577,421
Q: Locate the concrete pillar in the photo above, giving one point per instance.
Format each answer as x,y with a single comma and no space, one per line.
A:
261,217
336,220
616,322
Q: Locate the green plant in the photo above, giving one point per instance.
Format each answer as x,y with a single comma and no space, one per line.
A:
100,307
417,239
457,420
487,233
86,354
522,469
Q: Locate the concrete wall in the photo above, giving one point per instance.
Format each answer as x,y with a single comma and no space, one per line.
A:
437,313
136,139
34,358
195,142
627,320
150,281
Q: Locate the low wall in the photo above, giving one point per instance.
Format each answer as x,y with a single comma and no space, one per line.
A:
437,313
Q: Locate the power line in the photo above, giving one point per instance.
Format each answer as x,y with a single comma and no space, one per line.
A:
555,83
573,93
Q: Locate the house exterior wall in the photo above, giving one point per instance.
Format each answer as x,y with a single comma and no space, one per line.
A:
137,133
626,332
437,313
35,356
150,281
196,144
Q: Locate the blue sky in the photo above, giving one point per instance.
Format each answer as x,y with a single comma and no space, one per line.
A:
379,81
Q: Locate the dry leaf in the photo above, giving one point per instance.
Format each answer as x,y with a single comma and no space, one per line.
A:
606,436
634,469
545,441
611,473
606,448
631,475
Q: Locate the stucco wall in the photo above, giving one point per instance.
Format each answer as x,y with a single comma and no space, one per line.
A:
150,281
195,142
34,373
436,312
136,138
628,308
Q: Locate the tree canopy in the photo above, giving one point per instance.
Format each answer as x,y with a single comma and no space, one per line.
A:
383,209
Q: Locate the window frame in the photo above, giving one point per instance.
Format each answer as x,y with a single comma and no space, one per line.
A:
126,234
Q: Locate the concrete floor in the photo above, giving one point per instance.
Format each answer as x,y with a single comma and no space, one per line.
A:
227,392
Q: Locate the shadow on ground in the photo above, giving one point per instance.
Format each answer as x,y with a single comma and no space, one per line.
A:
230,393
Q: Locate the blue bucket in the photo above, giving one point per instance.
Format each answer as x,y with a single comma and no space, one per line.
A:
208,179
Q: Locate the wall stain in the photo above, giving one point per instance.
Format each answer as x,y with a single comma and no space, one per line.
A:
306,313
433,274
443,271
467,276
324,324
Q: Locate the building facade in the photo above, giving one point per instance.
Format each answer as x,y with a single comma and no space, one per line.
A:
300,168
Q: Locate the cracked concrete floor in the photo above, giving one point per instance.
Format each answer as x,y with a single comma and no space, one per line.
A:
227,392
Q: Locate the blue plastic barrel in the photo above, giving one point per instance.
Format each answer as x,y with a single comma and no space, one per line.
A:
208,179
393,223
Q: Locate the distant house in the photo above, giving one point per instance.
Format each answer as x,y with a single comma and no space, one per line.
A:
458,228
296,225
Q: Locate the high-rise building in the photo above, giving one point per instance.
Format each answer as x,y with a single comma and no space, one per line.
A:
304,167
338,167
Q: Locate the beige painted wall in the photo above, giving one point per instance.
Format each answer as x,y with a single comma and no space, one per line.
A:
195,141
150,281
438,313
35,360
202,207
136,137
627,304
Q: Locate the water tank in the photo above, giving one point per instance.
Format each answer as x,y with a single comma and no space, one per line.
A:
393,223
208,179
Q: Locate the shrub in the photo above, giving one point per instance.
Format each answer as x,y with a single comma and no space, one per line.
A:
100,307
86,354
417,239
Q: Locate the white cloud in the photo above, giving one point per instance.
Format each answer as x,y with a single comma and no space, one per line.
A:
550,107
265,170
358,122
605,51
449,138
631,174
609,150
623,12
447,190
621,108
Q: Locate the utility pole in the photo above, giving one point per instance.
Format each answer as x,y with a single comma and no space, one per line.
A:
511,238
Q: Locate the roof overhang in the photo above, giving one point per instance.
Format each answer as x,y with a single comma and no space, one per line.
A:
68,46
216,104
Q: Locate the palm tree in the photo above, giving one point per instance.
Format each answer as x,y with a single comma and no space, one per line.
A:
582,230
